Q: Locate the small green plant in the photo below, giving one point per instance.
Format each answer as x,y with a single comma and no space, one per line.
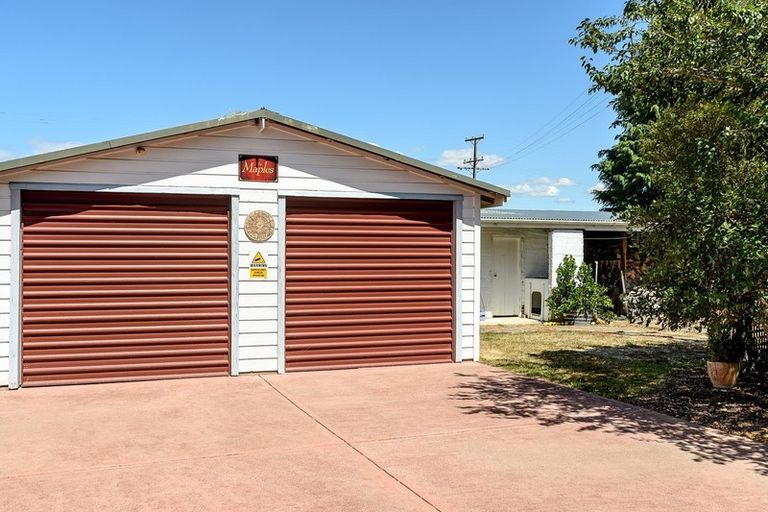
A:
562,300
592,299
576,292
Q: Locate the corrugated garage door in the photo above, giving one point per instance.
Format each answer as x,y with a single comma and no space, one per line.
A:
123,287
368,283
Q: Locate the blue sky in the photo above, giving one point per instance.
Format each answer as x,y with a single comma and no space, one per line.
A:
416,77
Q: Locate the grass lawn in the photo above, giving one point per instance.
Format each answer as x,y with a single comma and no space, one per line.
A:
649,367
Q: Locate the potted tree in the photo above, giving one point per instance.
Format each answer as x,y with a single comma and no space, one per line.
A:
726,345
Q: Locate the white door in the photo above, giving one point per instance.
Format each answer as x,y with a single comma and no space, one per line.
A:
505,276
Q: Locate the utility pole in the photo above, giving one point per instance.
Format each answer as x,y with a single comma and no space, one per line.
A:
474,160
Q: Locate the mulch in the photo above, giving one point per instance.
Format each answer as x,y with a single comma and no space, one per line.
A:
689,395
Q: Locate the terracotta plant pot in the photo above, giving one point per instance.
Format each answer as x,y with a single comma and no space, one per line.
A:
722,375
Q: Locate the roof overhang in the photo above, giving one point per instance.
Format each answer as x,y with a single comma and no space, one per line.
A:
551,224
491,195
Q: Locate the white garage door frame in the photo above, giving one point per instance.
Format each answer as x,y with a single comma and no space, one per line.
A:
14,349
458,222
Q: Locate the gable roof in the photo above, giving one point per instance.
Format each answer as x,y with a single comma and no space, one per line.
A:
495,194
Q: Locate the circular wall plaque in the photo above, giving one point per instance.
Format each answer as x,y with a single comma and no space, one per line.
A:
259,226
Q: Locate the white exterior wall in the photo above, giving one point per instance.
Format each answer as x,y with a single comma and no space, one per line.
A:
534,258
563,242
207,163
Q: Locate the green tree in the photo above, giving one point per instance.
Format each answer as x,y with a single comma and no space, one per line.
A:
689,169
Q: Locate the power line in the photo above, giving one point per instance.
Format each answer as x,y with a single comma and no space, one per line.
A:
557,137
554,118
575,115
576,118
563,127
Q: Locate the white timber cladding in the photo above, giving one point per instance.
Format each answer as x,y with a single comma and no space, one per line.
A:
534,259
207,162
564,242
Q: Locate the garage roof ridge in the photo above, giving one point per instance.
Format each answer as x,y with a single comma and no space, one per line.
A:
262,113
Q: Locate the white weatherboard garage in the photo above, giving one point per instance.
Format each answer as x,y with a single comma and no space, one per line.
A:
130,259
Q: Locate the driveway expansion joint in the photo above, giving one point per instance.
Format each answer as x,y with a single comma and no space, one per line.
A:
350,445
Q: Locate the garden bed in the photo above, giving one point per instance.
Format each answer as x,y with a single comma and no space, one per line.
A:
649,367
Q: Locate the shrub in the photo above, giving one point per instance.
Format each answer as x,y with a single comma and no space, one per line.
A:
562,300
576,292
592,299
642,305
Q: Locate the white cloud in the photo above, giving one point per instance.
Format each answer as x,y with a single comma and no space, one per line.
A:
40,145
526,189
565,200
541,187
559,182
5,154
598,187
456,157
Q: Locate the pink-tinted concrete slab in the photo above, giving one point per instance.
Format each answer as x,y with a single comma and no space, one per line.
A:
470,437
317,478
375,403
437,437
560,468
73,427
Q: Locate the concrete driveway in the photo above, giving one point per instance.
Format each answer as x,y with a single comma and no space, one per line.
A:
439,437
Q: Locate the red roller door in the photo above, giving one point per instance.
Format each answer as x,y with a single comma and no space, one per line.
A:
123,287
368,283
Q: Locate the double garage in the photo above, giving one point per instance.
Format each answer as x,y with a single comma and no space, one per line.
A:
145,280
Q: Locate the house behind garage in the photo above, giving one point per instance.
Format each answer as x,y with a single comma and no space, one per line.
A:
523,248
251,243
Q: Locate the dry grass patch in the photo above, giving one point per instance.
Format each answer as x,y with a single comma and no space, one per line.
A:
617,361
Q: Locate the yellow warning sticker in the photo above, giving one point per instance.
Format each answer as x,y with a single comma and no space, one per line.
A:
258,267
258,273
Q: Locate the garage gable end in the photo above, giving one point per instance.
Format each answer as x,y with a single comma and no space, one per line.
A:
63,231
260,119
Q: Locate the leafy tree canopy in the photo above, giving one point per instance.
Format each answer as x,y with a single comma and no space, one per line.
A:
663,53
689,169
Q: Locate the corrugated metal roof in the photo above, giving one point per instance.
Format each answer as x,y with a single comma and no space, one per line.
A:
503,214
88,149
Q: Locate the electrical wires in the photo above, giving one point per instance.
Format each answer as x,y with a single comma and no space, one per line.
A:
566,121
